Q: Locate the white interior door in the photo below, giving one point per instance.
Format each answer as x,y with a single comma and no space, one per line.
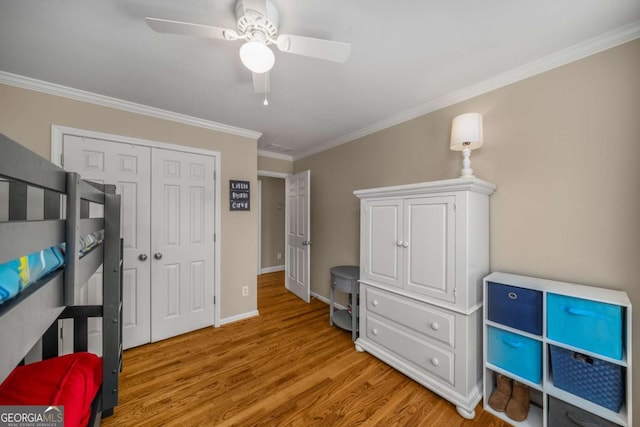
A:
298,234
128,167
182,239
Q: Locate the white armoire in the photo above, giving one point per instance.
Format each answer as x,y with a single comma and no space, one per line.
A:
424,249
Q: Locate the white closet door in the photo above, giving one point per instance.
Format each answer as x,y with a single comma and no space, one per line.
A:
128,167
182,227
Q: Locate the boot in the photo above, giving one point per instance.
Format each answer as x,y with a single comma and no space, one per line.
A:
501,394
518,406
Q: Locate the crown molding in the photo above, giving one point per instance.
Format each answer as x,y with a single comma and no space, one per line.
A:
279,156
573,53
119,104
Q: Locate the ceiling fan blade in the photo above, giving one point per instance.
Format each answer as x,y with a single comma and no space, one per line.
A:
261,82
259,6
315,48
189,29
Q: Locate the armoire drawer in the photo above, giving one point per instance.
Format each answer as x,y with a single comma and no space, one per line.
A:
419,316
428,357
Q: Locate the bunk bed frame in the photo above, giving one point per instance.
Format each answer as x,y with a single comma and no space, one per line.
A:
32,316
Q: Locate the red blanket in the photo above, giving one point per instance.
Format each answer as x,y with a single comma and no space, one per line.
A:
71,381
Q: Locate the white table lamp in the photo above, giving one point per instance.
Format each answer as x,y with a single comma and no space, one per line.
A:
466,135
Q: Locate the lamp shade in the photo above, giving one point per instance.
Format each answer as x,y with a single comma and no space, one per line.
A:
257,57
466,132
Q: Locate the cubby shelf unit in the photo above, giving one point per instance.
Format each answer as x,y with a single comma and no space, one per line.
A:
538,414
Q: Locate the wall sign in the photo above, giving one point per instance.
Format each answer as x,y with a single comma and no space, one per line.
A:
239,195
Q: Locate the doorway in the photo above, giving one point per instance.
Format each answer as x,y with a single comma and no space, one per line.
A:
271,223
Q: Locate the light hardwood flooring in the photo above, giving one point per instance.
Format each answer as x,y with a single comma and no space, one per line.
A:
284,367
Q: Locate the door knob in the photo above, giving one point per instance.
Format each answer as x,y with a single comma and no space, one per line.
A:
307,243
157,255
142,257
399,243
405,244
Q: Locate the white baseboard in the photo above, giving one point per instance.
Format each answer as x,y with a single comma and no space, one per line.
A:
272,269
239,317
326,301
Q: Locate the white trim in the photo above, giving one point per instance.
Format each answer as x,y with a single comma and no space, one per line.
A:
238,317
259,227
132,107
273,174
578,51
272,269
326,301
57,133
273,155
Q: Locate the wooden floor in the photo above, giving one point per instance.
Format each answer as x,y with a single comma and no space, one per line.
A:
284,367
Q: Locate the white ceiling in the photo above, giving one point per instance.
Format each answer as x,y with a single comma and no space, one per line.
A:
405,54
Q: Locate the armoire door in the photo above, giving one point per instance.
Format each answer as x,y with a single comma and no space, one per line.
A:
429,238
182,243
383,240
128,167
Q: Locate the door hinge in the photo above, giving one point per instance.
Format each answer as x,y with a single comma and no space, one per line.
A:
214,300
215,174
214,237
61,159
61,332
455,206
455,292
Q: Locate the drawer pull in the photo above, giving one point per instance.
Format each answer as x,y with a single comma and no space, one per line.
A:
374,303
435,326
581,312
512,343
513,295
435,362
374,331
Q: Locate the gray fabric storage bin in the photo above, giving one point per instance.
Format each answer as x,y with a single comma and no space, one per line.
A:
562,414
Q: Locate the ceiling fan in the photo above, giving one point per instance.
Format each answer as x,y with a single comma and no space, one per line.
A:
258,28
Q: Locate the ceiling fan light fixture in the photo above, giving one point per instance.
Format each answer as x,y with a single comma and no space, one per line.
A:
257,57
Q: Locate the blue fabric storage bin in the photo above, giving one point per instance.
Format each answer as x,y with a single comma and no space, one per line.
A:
590,325
516,307
592,379
515,353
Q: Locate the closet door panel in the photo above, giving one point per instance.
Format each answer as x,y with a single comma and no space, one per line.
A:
182,240
128,167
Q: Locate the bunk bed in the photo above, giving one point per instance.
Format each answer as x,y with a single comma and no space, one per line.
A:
30,320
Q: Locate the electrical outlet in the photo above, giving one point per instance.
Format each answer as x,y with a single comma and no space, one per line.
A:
279,255
245,291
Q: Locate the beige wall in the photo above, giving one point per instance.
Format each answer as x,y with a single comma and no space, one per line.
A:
27,116
274,165
562,148
272,224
